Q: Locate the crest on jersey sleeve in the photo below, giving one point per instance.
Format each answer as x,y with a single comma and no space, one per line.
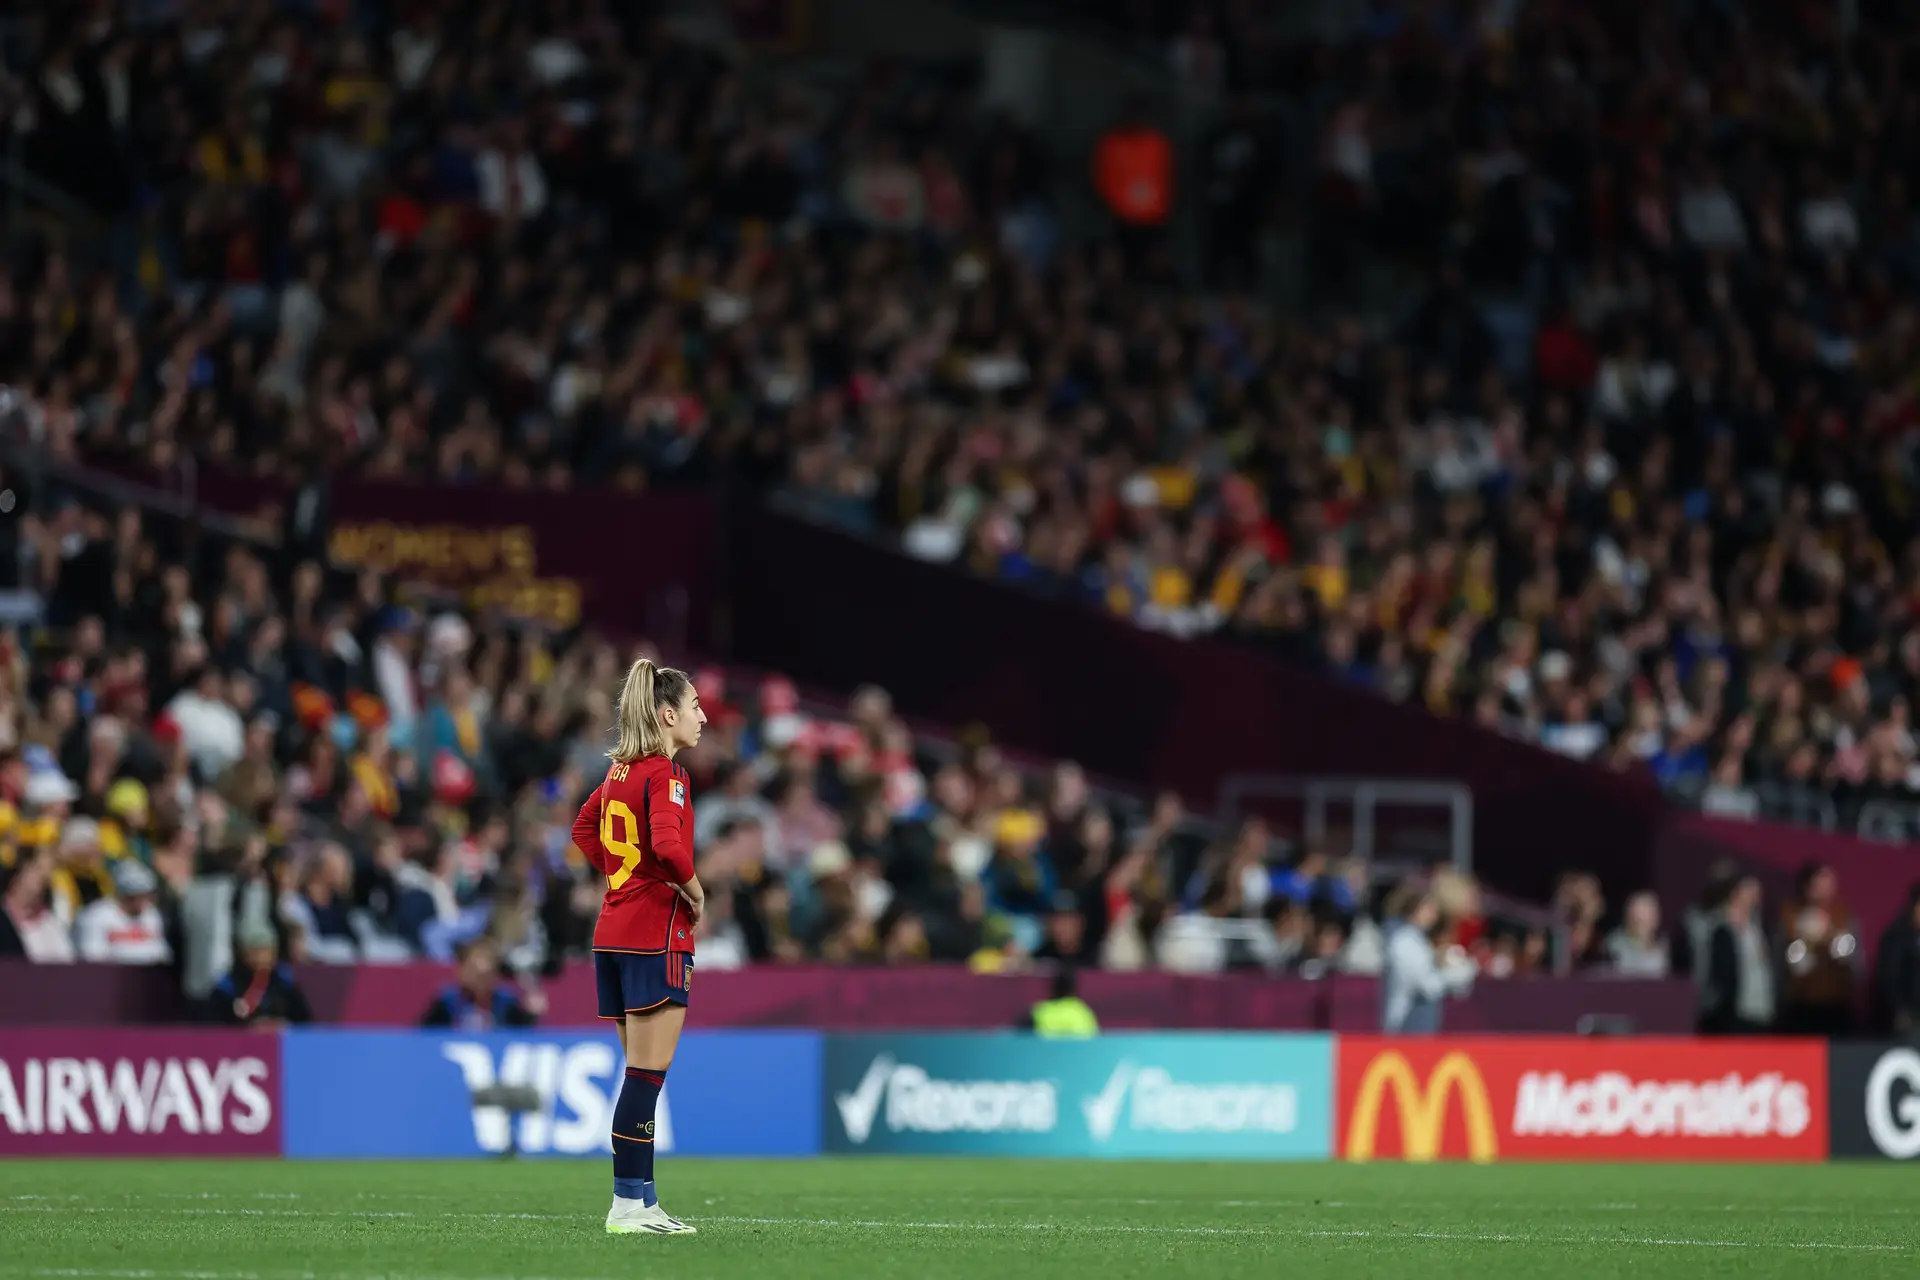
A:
677,792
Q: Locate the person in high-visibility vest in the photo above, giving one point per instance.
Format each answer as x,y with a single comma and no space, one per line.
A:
1064,1016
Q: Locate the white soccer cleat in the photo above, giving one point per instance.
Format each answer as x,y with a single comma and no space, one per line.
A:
637,1218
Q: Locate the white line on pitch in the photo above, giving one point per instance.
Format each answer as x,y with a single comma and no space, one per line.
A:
1089,1227
1464,1237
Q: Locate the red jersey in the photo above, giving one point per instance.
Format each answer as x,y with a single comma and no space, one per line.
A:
637,828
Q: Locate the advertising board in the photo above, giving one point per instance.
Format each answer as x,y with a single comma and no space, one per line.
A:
70,1091
1554,1098
1186,1097
1875,1100
407,1094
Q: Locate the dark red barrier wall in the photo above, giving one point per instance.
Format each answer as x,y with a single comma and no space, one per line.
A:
832,999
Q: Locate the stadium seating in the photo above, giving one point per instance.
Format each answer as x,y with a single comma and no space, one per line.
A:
1624,477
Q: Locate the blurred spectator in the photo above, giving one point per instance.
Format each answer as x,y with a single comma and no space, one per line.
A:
1419,975
1897,971
1738,994
1325,952
1133,173
477,1000
1065,938
259,991
1458,899
1703,917
1289,923
320,906
29,927
126,928
1021,881
1580,905
1821,955
1637,949
734,797
209,725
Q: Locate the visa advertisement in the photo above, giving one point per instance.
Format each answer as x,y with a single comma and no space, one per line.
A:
1212,1097
411,1094
1552,1098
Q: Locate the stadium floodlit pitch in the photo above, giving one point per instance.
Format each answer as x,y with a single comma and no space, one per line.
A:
193,1220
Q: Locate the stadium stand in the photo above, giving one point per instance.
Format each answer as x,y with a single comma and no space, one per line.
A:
1631,474
1628,478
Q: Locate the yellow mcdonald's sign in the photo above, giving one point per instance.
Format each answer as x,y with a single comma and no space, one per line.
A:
1422,1109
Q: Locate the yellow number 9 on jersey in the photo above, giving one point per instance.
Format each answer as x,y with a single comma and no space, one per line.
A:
628,849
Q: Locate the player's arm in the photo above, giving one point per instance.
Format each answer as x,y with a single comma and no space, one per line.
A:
668,826
670,833
586,834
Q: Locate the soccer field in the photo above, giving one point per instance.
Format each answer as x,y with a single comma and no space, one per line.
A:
247,1220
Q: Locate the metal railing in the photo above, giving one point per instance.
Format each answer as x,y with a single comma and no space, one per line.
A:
1364,798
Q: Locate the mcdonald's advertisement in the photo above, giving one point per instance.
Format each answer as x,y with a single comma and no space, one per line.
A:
1551,1098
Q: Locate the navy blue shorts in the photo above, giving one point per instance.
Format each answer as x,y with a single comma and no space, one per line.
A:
631,983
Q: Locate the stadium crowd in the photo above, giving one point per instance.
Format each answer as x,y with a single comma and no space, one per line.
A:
1630,474
1630,477
204,760
216,770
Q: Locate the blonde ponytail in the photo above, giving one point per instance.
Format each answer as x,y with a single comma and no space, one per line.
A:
647,689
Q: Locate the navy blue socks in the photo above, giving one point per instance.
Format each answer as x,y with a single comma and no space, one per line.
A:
633,1135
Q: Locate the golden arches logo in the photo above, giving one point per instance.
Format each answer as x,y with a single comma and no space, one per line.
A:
1422,1110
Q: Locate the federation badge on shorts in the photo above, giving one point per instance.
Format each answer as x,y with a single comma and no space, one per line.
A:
677,792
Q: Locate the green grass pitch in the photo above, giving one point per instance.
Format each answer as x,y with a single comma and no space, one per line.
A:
244,1220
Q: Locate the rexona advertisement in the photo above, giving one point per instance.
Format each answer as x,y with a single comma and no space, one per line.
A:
123,1092
1876,1100
411,1093
1581,1099
1264,1097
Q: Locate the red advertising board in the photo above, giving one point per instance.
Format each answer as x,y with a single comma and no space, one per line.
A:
1529,1098
75,1092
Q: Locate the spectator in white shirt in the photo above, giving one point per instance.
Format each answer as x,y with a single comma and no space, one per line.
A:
393,674
29,927
126,928
1637,949
512,185
213,731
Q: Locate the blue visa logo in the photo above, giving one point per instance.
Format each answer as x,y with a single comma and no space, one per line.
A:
411,1094
578,1086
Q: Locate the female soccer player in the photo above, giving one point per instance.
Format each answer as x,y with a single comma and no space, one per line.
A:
637,827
